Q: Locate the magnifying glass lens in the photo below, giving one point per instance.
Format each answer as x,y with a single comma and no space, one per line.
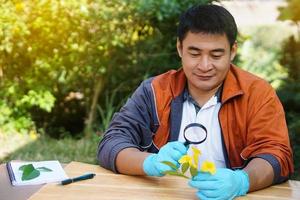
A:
195,134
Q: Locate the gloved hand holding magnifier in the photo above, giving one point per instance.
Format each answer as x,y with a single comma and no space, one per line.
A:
194,133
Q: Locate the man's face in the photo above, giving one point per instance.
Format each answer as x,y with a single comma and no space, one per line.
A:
205,60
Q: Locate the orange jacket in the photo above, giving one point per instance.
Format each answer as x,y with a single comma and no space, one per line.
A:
252,118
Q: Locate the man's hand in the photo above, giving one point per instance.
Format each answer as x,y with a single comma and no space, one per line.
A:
171,152
225,184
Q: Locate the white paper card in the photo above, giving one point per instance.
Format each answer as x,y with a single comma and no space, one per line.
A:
56,175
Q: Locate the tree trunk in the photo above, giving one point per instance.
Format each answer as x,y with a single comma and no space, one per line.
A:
92,113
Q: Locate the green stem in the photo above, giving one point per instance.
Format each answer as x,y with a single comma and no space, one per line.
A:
184,176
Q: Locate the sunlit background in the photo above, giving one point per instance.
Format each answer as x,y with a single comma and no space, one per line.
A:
67,66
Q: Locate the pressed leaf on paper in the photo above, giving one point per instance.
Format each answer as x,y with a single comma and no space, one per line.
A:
22,167
29,172
44,169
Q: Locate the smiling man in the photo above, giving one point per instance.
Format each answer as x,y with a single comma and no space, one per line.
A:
247,136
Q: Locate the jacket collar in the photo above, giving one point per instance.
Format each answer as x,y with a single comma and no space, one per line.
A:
231,85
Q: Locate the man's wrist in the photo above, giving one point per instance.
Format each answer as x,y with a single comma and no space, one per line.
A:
148,166
245,183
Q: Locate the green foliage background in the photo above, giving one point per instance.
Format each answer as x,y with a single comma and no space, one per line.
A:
289,91
58,57
67,66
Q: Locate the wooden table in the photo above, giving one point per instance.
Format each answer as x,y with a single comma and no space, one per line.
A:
8,192
110,186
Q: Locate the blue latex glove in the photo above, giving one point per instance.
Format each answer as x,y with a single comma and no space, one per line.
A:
224,184
171,152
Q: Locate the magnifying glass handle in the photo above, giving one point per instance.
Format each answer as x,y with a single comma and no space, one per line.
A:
186,143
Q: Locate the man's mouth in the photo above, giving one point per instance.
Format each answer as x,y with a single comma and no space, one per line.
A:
204,77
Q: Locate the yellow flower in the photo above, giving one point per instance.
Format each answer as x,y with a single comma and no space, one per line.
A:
209,167
185,159
196,153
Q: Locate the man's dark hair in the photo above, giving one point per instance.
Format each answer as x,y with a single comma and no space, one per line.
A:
211,19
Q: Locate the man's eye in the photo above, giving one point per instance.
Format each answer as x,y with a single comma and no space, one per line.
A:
216,56
194,54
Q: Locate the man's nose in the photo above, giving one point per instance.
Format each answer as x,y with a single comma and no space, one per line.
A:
204,64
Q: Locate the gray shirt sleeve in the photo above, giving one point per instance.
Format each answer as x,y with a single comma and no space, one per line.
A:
132,126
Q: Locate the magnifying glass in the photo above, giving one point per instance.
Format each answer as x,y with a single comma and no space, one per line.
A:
194,133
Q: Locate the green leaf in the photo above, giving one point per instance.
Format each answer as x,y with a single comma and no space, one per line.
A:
44,169
22,167
175,173
173,166
193,171
184,167
29,172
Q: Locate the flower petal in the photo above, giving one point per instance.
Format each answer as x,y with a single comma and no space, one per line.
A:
196,159
196,151
209,167
185,159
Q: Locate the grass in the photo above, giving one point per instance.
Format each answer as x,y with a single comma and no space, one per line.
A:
65,150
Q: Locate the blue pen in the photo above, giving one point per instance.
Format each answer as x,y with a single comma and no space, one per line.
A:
79,178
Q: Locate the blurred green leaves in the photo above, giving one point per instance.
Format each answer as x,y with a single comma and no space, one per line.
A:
290,12
42,99
50,50
290,90
259,52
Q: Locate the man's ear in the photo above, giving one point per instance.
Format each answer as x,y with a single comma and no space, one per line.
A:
233,51
179,48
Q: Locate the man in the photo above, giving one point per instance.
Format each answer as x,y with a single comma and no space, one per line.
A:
247,137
